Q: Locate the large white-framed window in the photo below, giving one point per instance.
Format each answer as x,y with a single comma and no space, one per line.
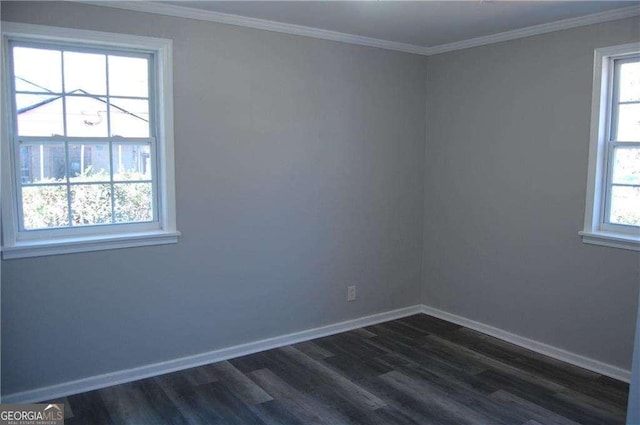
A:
612,216
87,141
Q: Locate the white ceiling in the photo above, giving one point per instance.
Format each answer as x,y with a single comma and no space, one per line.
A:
419,23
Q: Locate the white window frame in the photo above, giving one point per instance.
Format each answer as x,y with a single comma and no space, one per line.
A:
17,243
596,229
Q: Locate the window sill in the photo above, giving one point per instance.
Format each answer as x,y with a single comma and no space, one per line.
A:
612,240
25,249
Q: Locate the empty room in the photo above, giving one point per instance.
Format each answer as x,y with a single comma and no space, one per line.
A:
320,212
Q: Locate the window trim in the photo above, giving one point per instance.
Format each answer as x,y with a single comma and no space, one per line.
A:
596,231
94,237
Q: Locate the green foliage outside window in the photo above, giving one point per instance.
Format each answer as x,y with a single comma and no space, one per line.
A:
91,201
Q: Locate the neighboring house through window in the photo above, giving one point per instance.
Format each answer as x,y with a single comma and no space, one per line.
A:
89,149
612,216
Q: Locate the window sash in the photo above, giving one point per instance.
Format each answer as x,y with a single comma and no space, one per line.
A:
612,107
108,50
68,183
614,94
608,188
91,229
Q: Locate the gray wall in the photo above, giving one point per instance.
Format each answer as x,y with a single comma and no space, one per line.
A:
506,168
633,408
299,167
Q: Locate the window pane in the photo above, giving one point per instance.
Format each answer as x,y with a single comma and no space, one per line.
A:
89,162
37,70
90,204
628,123
626,166
131,161
44,206
128,76
86,116
630,82
132,202
42,162
85,72
129,118
39,115
625,205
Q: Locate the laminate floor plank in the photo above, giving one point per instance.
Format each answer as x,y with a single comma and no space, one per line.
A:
608,382
186,379
468,392
240,384
474,357
88,409
363,333
410,405
392,415
569,376
226,404
434,408
473,335
349,343
536,412
359,395
162,405
356,369
414,370
251,362
571,409
405,329
452,358
431,324
140,402
275,412
400,352
328,388
303,406
437,369
185,400
313,350
560,391
384,332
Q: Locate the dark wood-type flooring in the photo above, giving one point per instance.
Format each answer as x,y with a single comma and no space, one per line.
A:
415,370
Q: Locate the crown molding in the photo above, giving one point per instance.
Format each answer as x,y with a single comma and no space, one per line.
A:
262,24
596,18
267,25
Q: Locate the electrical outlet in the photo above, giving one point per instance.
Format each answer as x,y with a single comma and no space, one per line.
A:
351,293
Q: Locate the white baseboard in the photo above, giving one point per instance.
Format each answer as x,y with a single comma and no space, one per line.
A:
155,369
538,347
119,377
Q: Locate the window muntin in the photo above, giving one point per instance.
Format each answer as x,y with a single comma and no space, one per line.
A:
85,155
621,206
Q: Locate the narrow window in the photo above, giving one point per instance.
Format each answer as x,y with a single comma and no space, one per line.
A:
612,217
